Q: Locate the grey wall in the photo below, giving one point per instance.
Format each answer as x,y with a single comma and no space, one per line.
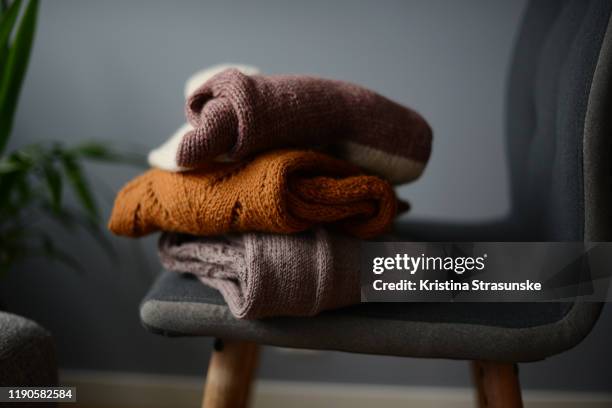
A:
114,70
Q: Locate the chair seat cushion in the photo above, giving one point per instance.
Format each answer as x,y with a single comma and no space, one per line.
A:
180,305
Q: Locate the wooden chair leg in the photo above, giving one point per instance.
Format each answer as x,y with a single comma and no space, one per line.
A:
497,384
230,374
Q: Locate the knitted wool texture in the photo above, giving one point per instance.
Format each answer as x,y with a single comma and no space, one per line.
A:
164,156
238,115
263,275
284,191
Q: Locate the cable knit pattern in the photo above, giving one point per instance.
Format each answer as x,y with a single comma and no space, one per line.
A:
241,115
283,191
263,275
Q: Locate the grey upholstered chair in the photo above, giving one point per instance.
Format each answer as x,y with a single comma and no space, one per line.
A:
558,141
27,354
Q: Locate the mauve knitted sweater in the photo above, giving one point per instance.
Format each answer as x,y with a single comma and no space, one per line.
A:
237,115
263,275
282,191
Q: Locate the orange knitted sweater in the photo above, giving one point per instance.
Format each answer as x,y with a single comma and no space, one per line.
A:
282,191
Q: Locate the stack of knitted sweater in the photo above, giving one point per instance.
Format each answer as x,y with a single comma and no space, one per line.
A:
267,191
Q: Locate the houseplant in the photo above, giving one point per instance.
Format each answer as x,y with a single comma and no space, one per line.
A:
33,179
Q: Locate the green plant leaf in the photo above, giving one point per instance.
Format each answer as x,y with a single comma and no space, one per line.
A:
10,165
32,180
13,244
94,150
15,68
79,185
25,192
54,184
8,184
15,195
97,151
7,23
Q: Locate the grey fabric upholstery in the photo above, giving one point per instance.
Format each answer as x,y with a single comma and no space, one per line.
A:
557,134
178,305
27,353
548,93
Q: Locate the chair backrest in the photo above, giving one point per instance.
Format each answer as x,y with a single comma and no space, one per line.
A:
556,121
